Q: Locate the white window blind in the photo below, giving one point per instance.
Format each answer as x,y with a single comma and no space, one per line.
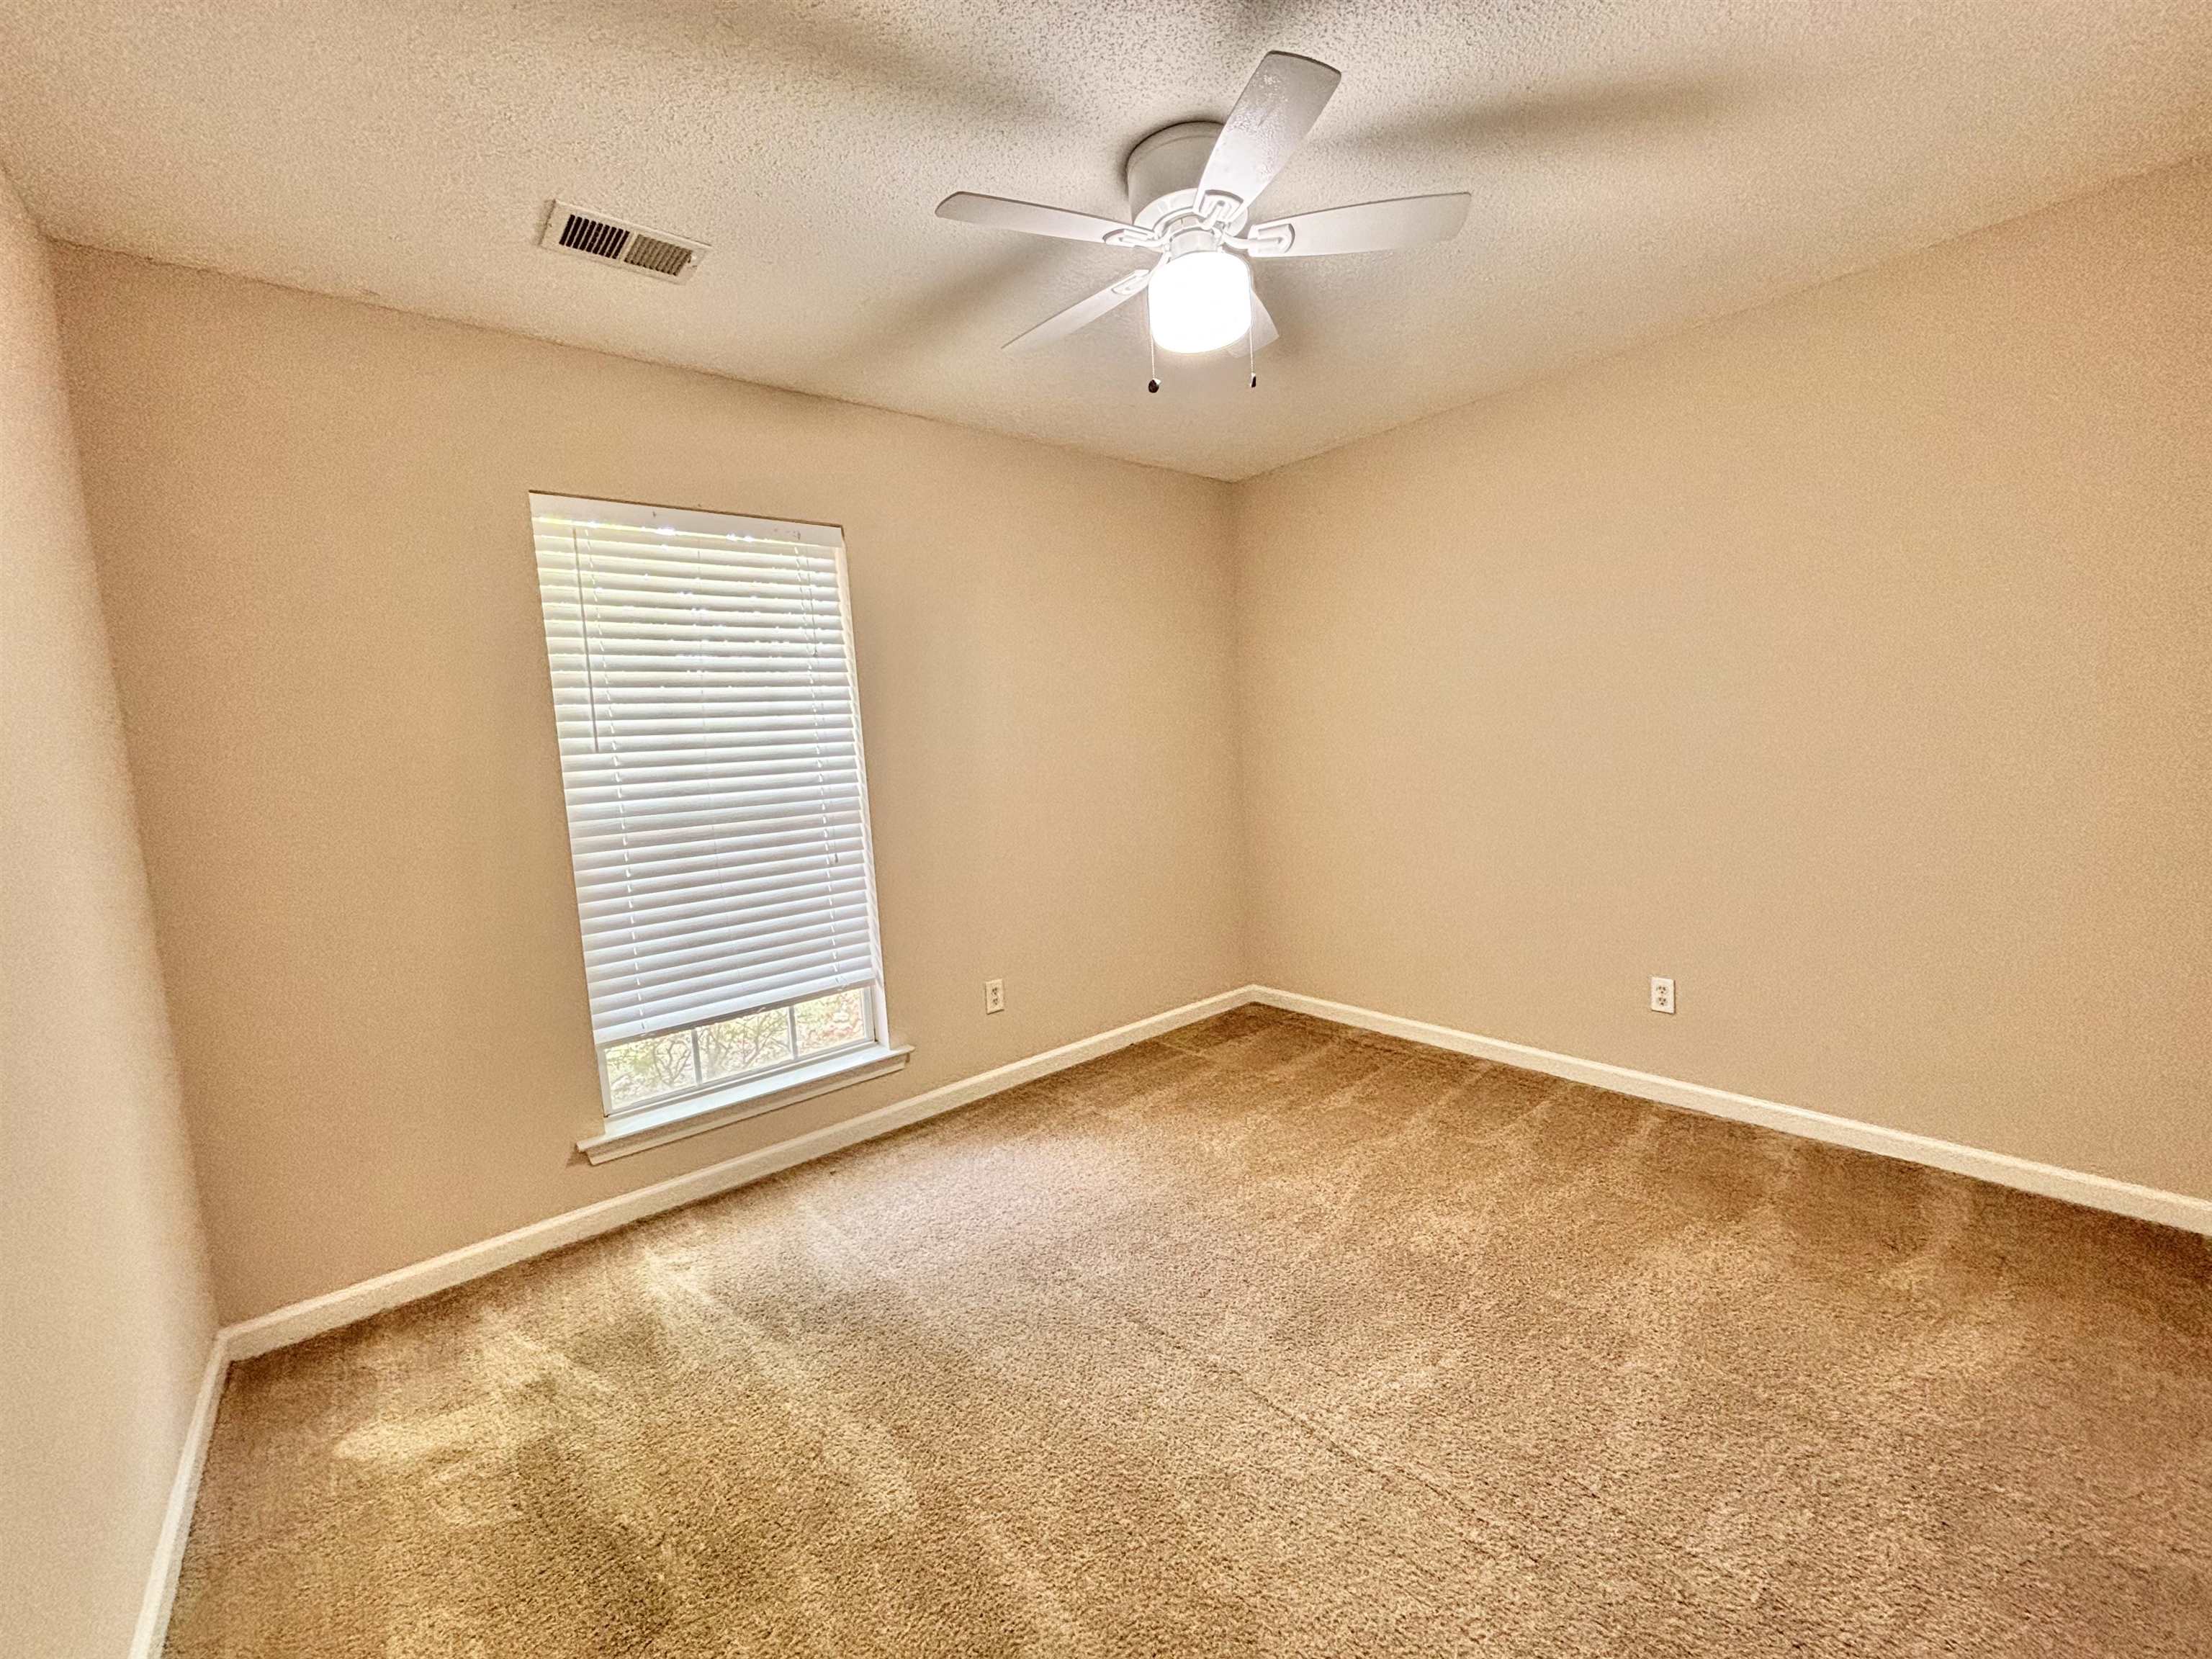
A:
710,752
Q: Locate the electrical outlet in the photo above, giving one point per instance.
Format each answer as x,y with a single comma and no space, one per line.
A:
1662,995
995,996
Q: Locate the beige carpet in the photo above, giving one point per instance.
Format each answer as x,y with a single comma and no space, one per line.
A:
1264,1338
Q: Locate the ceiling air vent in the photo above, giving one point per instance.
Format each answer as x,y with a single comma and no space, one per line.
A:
595,236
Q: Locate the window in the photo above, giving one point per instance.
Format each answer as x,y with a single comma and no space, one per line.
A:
718,824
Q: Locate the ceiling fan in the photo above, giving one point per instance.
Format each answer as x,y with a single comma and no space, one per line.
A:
1192,187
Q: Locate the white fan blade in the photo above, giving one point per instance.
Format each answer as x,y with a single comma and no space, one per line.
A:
1001,214
1062,324
1365,227
1263,326
1277,107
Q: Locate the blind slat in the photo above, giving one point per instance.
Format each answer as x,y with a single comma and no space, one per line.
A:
641,870
710,757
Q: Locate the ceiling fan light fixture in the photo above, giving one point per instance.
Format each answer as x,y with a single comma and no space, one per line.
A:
1192,189
1201,300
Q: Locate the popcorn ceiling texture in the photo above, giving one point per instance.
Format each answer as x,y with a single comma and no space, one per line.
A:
1634,169
1266,1338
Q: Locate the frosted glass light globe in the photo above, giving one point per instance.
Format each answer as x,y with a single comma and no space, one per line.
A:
1201,301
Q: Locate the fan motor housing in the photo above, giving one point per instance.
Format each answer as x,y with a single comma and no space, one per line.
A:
1163,170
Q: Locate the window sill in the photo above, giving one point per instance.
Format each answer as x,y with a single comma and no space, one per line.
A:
656,1126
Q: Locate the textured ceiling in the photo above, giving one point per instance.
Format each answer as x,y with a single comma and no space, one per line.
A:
1635,168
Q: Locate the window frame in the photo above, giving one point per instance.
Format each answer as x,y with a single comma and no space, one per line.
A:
873,1004
637,1125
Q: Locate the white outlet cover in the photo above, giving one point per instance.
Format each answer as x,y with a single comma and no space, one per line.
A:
1662,995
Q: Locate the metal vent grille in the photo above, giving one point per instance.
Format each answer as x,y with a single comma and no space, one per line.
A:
597,236
593,236
652,253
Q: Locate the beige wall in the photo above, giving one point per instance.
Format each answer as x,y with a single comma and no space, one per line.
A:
106,1319
1849,660
316,562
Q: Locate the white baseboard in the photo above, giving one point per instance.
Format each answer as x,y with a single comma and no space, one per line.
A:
302,1319
2076,1186
152,1632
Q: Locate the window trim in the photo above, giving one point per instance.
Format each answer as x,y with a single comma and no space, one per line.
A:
644,1127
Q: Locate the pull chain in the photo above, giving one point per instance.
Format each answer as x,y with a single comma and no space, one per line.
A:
1152,346
1251,354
